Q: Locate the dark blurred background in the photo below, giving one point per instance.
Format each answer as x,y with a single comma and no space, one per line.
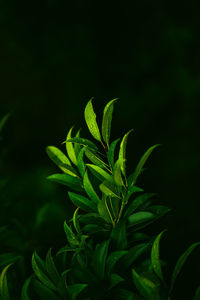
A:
54,56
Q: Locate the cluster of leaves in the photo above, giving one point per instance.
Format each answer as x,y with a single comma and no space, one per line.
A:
107,254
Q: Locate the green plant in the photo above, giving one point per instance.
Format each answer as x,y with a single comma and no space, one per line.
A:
108,254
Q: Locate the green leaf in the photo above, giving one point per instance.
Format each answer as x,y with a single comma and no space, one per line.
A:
138,202
80,162
114,280
197,294
113,259
83,142
100,173
44,292
111,152
142,162
140,217
103,209
132,190
155,260
147,288
91,218
117,173
122,152
3,284
51,268
39,270
180,264
70,148
95,159
75,221
90,118
89,189
71,237
133,254
82,202
99,259
25,295
75,289
77,147
92,228
70,181
108,189
4,120
119,236
60,159
107,119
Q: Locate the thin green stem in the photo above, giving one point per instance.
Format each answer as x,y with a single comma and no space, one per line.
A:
110,214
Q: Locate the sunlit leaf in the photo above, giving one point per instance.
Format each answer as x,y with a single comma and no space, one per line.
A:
182,259
95,159
4,292
102,209
90,118
111,152
142,162
70,148
72,182
100,173
80,162
122,152
82,202
155,259
89,189
75,220
108,189
83,142
107,119
117,173
77,147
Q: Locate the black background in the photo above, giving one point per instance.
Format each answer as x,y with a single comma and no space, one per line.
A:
55,55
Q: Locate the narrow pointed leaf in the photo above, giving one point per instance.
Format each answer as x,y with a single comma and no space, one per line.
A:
83,142
90,118
140,217
25,294
77,147
80,162
138,202
70,181
113,259
51,268
147,288
95,159
142,162
100,173
70,148
89,189
155,259
82,202
119,236
4,285
75,289
75,221
117,173
38,269
108,189
180,264
44,292
114,280
71,237
99,258
122,152
103,209
107,119
111,152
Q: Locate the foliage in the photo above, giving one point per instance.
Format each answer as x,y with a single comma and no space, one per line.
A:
107,252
